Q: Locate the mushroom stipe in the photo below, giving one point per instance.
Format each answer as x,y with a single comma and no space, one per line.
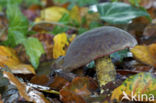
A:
99,42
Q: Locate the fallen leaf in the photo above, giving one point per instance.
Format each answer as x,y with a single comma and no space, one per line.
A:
58,83
8,58
53,14
60,42
39,79
77,90
152,49
143,54
25,91
141,83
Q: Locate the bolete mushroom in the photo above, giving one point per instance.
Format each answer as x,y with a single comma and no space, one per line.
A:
96,44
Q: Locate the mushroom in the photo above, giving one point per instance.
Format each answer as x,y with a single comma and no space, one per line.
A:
96,44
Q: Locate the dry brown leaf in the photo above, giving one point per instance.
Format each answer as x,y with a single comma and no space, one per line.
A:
77,90
40,79
58,83
28,93
8,58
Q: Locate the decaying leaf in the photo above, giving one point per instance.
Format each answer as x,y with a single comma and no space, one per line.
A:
8,58
58,83
25,91
39,79
77,90
60,42
141,83
145,54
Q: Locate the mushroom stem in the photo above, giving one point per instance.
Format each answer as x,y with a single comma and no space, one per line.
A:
105,70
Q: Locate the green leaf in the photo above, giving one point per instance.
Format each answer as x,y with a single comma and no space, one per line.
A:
18,25
34,50
120,13
17,33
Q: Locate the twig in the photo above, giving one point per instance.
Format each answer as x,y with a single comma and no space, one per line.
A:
54,23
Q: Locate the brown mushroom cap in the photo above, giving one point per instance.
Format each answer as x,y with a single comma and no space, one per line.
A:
96,43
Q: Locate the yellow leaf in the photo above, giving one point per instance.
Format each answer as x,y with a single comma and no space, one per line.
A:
60,42
53,14
143,54
152,49
8,58
75,14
